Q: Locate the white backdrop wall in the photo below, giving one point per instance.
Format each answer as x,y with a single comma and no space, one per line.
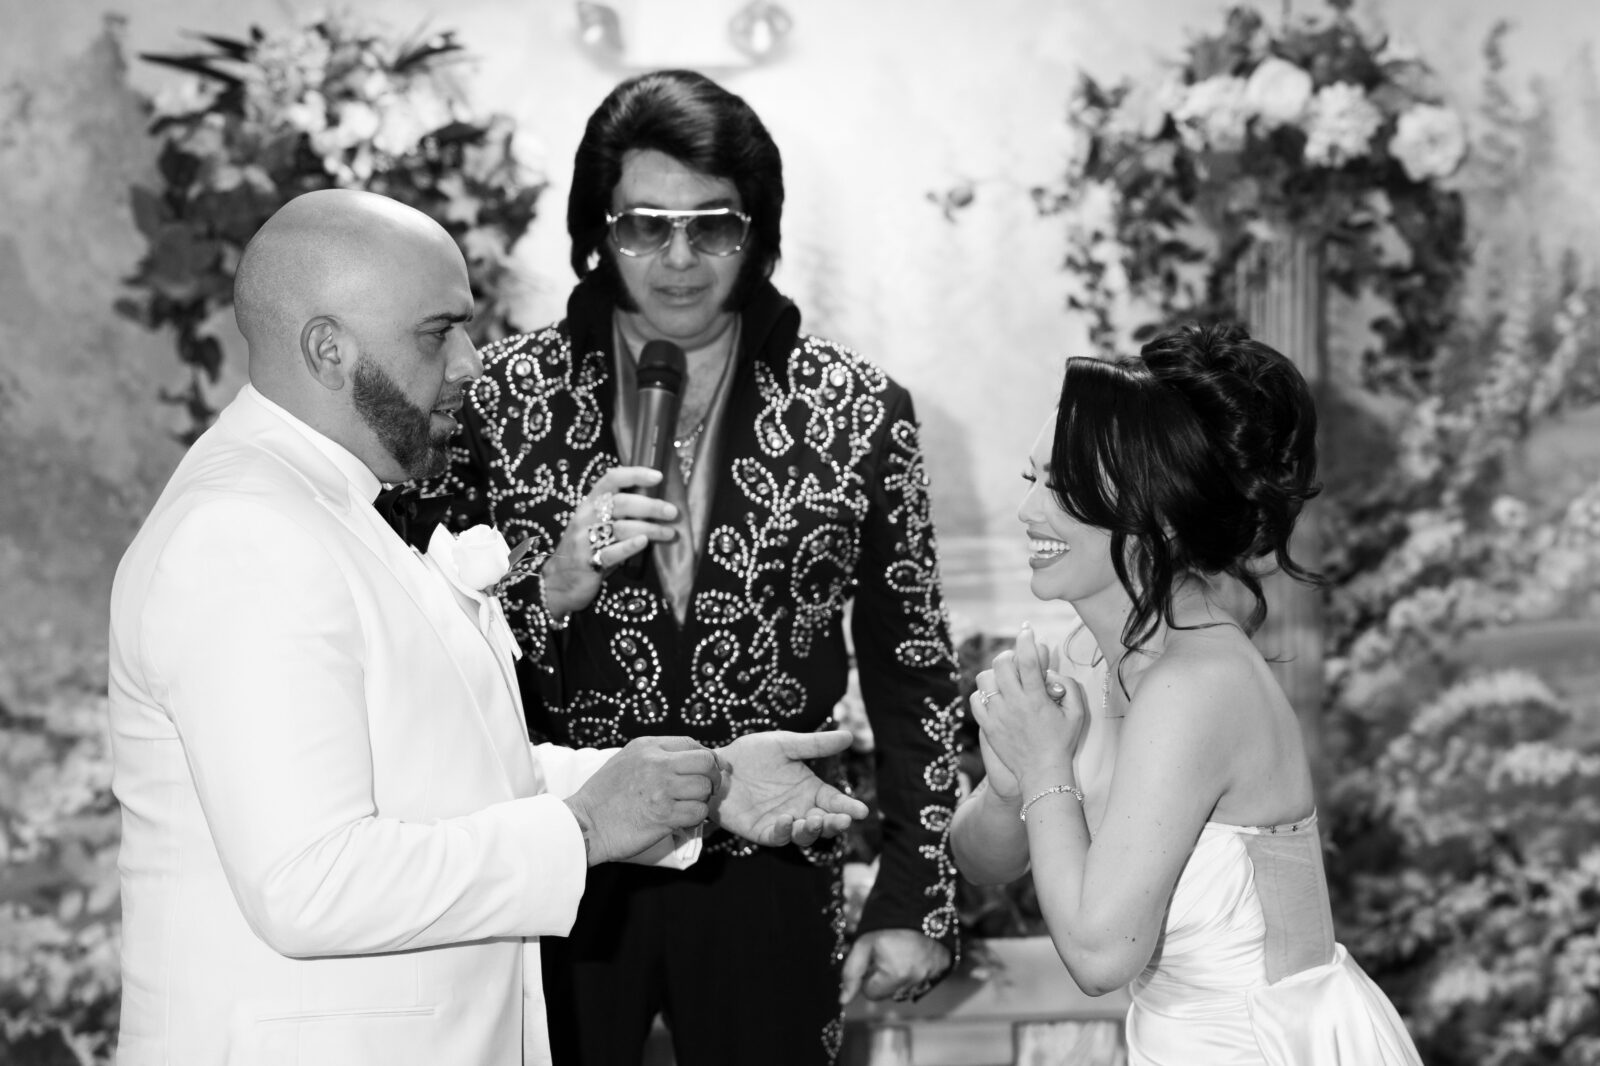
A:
875,104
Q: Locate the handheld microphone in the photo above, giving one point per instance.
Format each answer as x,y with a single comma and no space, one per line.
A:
661,372
662,369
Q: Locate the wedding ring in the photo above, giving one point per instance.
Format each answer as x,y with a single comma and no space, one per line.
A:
986,696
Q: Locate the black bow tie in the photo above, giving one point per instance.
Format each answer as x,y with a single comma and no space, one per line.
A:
410,514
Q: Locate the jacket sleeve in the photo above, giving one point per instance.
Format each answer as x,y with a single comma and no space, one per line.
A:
256,646
908,683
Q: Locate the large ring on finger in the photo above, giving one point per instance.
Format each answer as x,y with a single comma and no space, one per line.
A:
601,535
595,562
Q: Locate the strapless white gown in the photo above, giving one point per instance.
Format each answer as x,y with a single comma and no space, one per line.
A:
1247,972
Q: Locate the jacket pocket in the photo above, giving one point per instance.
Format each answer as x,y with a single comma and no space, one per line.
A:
355,1036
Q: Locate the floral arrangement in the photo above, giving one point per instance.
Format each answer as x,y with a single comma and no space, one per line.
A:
261,120
1316,129
59,915
1466,815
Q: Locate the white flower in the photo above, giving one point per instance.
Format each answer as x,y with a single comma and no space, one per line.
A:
1460,981
1429,141
482,556
186,97
206,139
1144,110
1095,212
1539,763
1509,512
1340,125
362,163
1214,114
227,177
1278,92
473,563
354,122
400,127
374,85
309,115
483,244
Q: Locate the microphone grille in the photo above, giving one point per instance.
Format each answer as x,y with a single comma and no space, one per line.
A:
662,366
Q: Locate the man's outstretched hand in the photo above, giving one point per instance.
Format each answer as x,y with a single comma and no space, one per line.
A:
768,795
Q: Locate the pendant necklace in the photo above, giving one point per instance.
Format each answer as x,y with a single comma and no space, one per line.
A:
684,446
1105,697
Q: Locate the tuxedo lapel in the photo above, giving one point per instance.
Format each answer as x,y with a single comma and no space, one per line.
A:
468,649
255,425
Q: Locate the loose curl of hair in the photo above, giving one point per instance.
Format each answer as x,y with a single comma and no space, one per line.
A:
1197,457
703,126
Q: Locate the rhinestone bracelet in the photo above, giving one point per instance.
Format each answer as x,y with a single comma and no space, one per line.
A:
1051,791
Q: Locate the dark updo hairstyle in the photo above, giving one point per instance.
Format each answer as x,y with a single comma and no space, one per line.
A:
706,128
1196,457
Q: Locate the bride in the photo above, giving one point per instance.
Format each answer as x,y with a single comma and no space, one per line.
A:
1168,818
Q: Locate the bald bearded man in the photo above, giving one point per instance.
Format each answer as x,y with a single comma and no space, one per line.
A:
337,838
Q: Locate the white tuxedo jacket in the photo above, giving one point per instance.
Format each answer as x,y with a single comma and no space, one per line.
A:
336,835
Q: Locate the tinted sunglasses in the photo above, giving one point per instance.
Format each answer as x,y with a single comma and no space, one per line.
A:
717,231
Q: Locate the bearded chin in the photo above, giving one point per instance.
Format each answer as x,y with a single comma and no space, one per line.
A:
404,429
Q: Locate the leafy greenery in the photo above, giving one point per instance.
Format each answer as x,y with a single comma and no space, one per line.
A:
1466,817
59,913
261,120
1314,128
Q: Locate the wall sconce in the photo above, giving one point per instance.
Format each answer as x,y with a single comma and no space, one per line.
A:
599,28
759,28
697,34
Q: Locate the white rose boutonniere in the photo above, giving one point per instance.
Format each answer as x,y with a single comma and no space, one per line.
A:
482,556
475,563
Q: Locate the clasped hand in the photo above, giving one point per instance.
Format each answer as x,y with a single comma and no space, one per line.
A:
758,787
1025,735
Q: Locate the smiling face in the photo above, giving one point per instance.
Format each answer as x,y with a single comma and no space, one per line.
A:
1070,560
679,294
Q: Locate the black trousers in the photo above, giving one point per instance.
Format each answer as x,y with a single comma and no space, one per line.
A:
736,954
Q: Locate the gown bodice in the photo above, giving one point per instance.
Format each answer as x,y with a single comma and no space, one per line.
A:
1247,972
